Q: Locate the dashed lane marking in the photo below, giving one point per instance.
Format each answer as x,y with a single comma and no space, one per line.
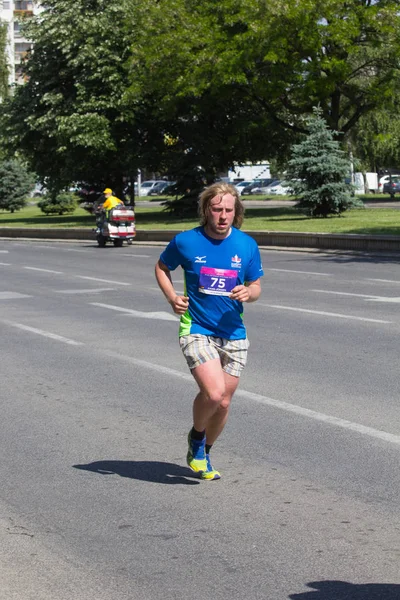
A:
12,295
324,313
102,280
43,333
367,297
87,291
135,255
164,316
44,270
382,280
300,272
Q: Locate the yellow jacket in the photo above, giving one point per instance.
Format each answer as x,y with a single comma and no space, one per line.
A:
111,202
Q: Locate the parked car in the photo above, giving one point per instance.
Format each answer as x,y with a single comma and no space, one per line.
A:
147,186
280,188
264,189
392,187
385,179
159,188
276,188
241,185
256,183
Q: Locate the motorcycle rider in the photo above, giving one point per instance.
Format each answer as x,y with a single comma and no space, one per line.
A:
102,210
110,201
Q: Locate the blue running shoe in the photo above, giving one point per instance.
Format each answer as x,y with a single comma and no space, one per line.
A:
211,473
196,456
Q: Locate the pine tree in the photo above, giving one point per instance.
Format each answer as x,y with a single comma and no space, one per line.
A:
318,170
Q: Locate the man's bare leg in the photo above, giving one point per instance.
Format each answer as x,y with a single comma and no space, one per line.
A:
210,378
217,421
211,405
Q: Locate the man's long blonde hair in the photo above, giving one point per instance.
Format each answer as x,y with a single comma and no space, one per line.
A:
220,189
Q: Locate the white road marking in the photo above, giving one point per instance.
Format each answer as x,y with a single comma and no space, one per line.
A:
135,255
4,251
300,272
164,316
317,416
5,264
149,365
156,289
88,291
44,270
102,280
368,297
345,294
384,299
382,280
285,406
47,334
12,295
323,313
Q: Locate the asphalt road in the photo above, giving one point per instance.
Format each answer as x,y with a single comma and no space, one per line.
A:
96,502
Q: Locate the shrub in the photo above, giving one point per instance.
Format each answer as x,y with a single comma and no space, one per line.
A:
60,204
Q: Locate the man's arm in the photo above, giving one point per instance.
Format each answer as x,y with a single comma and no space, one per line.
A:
163,275
250,292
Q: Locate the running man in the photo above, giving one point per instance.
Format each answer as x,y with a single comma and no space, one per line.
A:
222,269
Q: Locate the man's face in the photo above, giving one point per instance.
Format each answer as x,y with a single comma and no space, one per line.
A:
220,215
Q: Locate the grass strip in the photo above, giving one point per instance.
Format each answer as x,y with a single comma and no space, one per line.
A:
371,221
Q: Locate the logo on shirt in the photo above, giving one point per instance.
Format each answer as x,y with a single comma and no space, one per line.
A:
236,262
200,259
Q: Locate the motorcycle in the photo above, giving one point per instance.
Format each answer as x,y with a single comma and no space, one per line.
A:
117,226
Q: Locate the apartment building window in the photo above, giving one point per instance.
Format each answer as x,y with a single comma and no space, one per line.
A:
23,5
6,4
20,49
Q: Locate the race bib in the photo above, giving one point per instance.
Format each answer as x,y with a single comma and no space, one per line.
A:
219,282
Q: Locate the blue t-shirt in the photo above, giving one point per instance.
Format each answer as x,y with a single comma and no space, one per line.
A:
211,268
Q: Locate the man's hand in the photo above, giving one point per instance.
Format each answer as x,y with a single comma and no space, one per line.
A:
246,293
241,293
180,304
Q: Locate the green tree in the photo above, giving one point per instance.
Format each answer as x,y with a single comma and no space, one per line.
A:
69,119
277,59
317,172
16,183
4,68
376,139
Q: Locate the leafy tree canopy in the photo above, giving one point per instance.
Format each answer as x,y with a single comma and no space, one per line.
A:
376,139
279,58
69,119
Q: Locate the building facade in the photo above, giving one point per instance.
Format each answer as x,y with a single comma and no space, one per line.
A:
13,12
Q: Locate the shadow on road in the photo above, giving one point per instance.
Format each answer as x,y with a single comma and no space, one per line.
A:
144,470
342,590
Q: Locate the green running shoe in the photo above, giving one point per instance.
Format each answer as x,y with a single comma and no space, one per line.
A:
211,473
196,456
